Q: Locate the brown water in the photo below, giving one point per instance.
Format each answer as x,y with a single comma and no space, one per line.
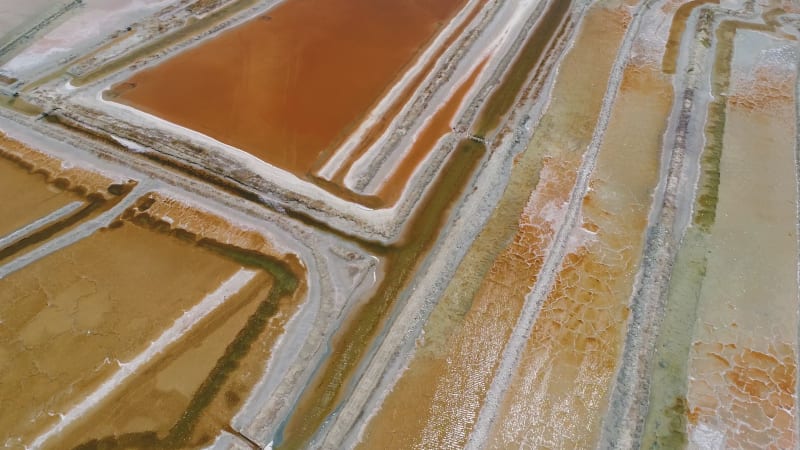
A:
374,132
179,372
202,379
112,304
294,81
172,378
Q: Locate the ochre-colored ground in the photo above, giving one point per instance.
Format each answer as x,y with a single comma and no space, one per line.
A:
68,318
25,197
288,93
436,401
743,363
559,394
202,380
156,398
33,184
78,177
191,218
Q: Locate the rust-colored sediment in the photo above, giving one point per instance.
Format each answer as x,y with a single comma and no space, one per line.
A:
438,126
558,396
441,393
749,394
281,86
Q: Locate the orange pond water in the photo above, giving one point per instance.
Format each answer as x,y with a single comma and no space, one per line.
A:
294,81
437,126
